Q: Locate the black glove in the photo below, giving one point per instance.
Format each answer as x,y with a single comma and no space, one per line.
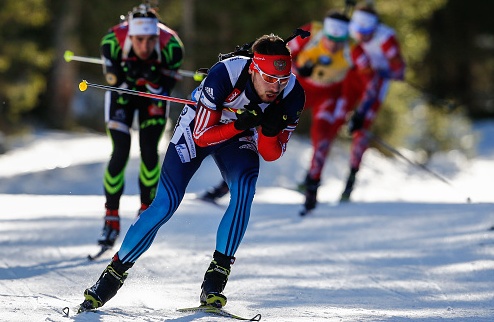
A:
274,120
356,122
306,70
248,118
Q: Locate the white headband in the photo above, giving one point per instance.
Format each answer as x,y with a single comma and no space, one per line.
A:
363,22
143,26
336,29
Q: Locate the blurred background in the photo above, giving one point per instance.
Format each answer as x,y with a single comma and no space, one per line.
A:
448,46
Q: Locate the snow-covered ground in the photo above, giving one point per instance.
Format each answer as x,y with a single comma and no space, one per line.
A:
409,246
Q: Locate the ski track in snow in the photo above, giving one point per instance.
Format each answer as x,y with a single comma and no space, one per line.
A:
408,248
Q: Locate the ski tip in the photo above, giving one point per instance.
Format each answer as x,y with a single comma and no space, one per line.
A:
304,212
103,249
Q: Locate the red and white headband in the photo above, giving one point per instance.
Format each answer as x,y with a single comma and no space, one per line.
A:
277,65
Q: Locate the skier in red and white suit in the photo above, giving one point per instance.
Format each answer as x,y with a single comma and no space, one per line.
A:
332,73
381,46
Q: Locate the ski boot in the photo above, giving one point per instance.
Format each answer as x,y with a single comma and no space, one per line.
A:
311,186
215,280
345,196
110,281
111,229
215,193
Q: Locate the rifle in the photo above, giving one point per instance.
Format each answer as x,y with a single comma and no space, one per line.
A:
245,49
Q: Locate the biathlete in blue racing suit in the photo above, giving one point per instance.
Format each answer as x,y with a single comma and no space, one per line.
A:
234,121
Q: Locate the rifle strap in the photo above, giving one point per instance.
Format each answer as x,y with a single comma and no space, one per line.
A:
240,84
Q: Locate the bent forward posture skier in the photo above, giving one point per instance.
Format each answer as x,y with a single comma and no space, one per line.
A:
246,107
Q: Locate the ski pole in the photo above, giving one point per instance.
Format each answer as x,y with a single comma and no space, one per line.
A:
69,56
85,84
393,150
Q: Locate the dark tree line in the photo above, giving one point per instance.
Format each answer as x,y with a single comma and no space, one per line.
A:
448,45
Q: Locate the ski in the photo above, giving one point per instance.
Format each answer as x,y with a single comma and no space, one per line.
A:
218,311
102,250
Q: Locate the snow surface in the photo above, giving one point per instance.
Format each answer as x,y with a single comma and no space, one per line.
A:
408,248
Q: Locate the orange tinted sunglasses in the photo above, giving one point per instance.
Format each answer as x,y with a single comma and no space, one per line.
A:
270,79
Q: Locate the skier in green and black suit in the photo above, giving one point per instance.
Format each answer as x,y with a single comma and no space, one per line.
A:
142,54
